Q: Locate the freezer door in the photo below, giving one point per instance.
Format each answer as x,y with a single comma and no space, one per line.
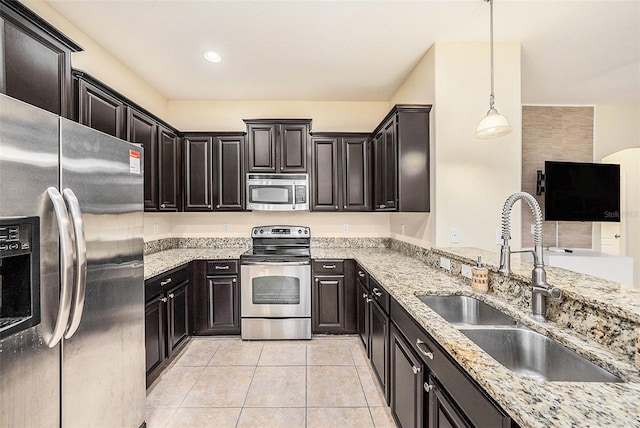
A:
103,368
29,368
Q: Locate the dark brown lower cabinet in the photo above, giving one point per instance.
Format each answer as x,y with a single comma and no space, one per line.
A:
455,400
406,382
443,413
178,317
328,296
166,318
155,331
379,344
217,297
362,306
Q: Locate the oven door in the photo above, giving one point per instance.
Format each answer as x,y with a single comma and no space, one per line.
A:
275,290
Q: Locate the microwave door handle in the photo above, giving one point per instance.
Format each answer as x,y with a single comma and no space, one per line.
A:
81,262
66,266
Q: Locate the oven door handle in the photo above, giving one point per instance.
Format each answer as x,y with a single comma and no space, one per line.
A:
276,263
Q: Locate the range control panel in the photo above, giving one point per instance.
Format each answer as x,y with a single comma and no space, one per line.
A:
16,237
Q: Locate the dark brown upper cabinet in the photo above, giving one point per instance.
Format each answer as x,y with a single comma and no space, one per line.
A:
143,130
229,183
401,160
214,174
35,60
169,170
98,109
277,146
340,174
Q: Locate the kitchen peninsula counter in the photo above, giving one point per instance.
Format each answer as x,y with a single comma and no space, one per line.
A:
531,403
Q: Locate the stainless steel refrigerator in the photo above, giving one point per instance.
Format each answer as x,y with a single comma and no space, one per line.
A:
71,200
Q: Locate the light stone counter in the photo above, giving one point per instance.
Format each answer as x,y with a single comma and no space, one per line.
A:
529,402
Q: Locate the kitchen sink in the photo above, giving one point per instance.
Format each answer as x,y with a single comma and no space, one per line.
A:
535,356
464,310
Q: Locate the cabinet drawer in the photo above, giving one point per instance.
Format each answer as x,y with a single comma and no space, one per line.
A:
379,294
328,267
222,267
153,287
475,404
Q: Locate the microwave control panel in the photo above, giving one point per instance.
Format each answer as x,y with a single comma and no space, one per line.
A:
301,194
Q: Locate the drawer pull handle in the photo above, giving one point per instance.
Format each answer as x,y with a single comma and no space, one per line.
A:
171,295
426,353
376,292
163,283
416,370
163,299
222,267
328,266
428,387
361,274
369,300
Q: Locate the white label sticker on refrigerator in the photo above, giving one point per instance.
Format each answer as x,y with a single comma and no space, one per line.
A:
134,162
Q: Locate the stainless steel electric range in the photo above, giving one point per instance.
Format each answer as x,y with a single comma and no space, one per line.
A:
275,290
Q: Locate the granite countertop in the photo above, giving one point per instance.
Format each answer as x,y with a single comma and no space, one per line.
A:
529,402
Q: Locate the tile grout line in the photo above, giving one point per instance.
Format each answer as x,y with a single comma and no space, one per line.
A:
255,368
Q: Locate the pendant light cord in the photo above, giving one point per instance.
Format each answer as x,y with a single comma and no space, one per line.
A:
491,98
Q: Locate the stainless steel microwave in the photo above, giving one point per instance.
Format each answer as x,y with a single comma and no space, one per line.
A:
277,192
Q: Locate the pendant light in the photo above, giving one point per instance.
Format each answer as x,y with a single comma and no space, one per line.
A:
494,124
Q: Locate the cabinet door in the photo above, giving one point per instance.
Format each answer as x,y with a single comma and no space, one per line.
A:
36,67
198,174
390,165
293,147
99,110
178,316
261,141
222,312
443,413
362,309
406,382
141,129
168,170
328,296
229,189
325,189
355,174
154,333
379,343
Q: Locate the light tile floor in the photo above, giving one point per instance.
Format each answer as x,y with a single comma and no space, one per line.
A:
225,382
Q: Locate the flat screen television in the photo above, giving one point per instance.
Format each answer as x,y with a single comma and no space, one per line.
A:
582,191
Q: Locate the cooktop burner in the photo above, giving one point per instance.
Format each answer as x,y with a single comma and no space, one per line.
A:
275,244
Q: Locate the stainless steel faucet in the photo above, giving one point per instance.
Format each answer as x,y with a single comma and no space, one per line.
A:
540,289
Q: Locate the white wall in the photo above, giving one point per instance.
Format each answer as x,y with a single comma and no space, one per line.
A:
99,63
616,127
474,177
239,224
224,115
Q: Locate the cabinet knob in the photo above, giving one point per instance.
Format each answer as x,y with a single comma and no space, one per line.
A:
162,206
382,206
163,299
336,207
426,353
317,280
416,370
369,300
217,206
428,387
171,295
234,280
209,206
345,207
364,295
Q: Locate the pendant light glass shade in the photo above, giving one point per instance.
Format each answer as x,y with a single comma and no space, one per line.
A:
494,124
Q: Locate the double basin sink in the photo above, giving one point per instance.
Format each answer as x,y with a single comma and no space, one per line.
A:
521,350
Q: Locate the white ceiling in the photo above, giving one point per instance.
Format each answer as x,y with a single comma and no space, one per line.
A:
573,52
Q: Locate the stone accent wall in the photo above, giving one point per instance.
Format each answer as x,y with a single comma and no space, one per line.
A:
555,134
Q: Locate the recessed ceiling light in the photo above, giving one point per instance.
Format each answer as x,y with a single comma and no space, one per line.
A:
212,56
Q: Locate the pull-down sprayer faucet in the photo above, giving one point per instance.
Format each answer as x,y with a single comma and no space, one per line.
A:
540,289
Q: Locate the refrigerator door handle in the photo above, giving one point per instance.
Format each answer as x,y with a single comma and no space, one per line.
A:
80,283
66,266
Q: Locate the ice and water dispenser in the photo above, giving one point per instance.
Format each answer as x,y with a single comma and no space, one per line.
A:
19,274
